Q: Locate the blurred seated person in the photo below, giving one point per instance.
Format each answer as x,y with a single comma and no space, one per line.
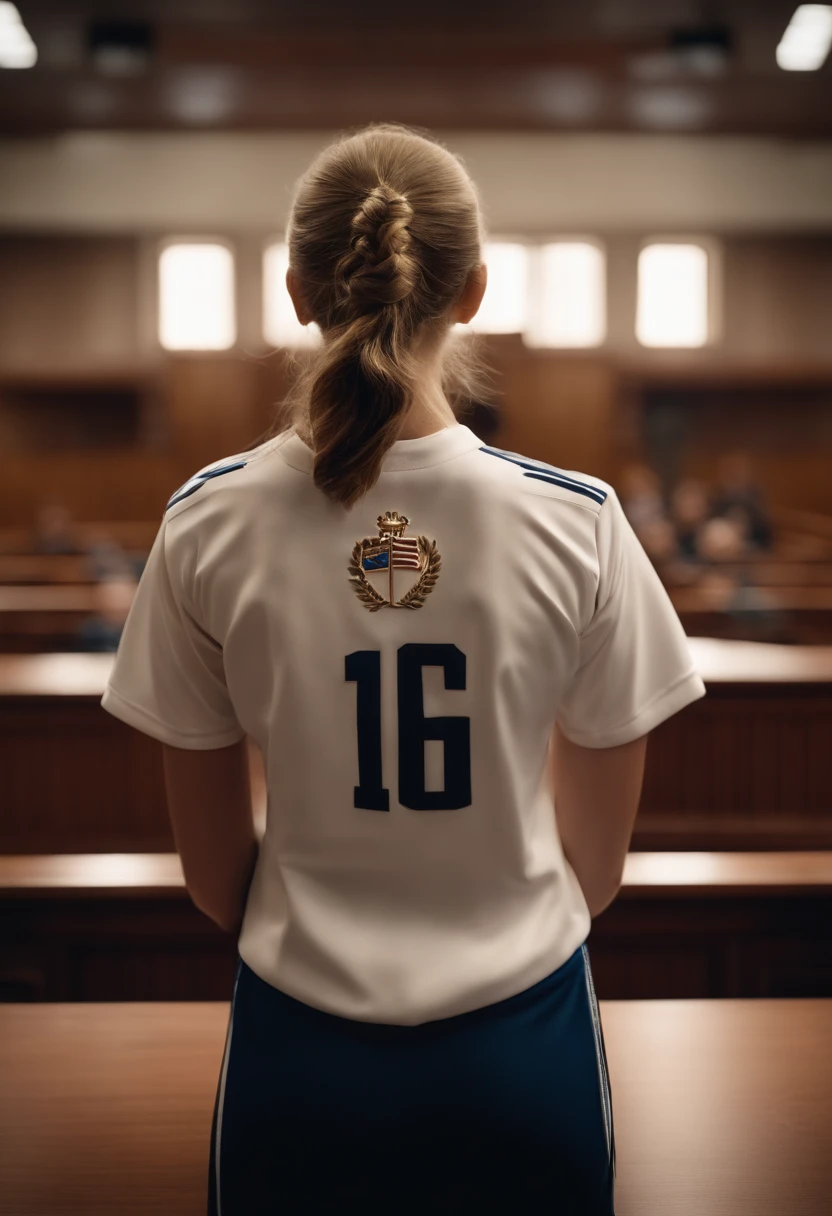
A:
722,540
107,559
741,498
55,530
641,497
102,631
658,537
752,609
690,509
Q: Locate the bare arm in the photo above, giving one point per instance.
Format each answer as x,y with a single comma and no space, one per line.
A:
597,792
209,802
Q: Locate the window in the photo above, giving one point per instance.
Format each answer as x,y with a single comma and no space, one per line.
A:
673,295
504,306
280,324
196,297
568,305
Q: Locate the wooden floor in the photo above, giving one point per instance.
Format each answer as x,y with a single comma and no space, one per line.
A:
720,1108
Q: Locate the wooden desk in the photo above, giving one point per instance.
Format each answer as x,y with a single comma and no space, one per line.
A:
100,927
718,1107
646,875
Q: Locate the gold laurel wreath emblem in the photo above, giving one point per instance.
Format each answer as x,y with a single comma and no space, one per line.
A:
429,560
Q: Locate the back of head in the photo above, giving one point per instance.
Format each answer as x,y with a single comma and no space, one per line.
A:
384,232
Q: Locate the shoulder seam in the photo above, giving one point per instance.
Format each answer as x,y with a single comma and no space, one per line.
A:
570,502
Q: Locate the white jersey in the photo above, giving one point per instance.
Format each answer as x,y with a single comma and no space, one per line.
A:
401,666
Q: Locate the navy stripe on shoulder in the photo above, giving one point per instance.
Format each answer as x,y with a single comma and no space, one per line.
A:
193,484
575,486
539,471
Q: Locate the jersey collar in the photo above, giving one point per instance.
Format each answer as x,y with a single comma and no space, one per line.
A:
402,456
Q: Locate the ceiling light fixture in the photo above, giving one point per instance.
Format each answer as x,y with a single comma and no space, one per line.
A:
17,50
805,44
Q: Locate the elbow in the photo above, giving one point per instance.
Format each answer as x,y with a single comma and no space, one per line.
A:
224,917
601,895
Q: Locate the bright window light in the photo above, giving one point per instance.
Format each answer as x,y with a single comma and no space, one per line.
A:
569,307
504,306
805,44
17,50
672,296
280,324
196,297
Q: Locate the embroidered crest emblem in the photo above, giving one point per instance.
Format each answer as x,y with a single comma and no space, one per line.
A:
391,550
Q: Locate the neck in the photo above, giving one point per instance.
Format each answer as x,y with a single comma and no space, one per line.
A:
419,423
428,413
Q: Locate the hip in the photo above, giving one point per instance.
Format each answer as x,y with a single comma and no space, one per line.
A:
510,1101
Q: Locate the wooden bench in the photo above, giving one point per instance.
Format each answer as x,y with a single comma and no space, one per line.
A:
791,615
718,1106
49,569
41,618
130,534
97,927
748,766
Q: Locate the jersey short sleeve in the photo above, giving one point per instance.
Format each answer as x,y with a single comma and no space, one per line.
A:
635,667
168,678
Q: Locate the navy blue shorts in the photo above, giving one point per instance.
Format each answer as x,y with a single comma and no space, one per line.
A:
506,1108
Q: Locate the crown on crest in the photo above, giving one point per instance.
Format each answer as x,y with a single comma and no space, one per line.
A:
392,523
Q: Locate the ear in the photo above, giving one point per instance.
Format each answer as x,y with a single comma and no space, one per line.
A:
467,306
293,287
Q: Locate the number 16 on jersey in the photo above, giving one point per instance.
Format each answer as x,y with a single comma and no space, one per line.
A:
414,729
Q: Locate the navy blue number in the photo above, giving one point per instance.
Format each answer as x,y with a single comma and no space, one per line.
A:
364,666
415,728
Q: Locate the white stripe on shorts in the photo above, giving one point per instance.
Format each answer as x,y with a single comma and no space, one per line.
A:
606,1105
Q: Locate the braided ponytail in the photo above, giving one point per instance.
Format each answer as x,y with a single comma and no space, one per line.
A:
383,234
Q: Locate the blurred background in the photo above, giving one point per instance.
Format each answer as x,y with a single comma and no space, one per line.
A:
657,182
657,186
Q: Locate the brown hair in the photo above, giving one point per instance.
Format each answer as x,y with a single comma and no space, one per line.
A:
384,231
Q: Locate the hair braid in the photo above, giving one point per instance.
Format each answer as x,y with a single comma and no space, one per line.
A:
384,231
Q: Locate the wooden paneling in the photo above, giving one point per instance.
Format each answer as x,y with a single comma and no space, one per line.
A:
555,407
778,411
745,750
85,306
749,762
213,403
126,486
776,296
67,302
76,779
211,406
